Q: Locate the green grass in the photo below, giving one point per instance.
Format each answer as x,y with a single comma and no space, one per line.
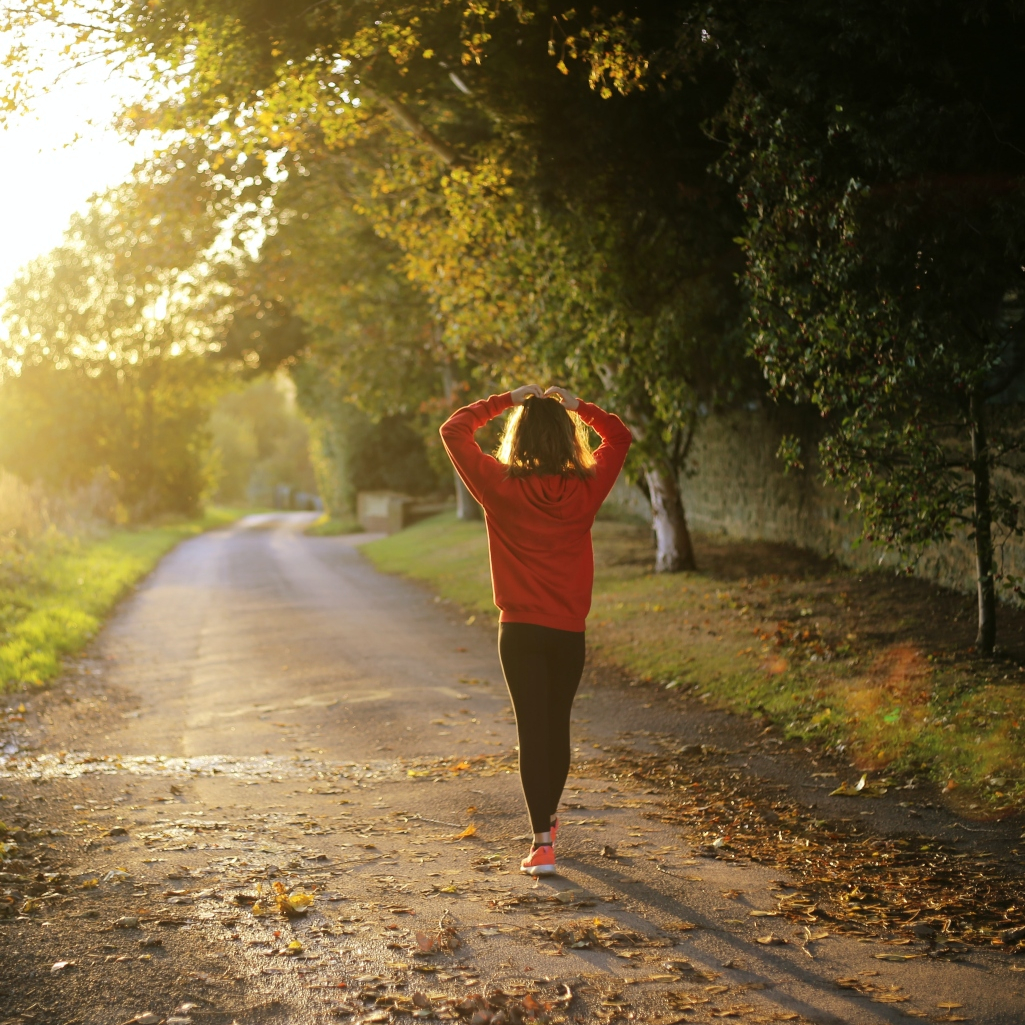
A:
56,591
448,554
862,664
329,526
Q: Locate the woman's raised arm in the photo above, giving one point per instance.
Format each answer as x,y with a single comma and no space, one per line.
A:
615,443
475,467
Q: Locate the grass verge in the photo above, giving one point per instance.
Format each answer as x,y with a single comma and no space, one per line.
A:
55,591
874,668
329,526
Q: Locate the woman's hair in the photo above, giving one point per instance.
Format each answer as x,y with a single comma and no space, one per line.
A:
543,438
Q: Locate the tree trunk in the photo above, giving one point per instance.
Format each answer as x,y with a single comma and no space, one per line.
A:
983,532
467,507
672,539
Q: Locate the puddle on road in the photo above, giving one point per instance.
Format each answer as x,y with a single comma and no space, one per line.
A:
72,765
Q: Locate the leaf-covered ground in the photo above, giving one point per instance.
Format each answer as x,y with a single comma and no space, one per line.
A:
272,889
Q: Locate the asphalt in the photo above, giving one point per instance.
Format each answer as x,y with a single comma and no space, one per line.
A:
267,708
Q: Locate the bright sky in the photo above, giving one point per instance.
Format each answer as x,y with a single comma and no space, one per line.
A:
45,175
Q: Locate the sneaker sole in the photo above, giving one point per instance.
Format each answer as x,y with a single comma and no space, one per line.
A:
539,870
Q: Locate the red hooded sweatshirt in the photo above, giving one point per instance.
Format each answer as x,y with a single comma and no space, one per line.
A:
539,527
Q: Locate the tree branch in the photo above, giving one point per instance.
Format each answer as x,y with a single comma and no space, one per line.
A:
441,149
1004,380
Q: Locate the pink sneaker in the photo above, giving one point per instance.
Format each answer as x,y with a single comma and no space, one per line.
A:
541,861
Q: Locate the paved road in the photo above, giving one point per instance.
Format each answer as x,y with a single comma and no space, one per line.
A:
239,631
268,708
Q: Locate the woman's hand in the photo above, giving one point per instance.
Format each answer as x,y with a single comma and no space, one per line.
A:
519,394
568,399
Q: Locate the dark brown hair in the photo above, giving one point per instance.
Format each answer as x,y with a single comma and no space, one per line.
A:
543,438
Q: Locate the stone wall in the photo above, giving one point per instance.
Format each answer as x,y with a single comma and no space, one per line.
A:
737,487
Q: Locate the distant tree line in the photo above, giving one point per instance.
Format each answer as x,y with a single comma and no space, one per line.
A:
673,207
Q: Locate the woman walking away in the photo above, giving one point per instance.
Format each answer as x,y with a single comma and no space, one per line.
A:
540,497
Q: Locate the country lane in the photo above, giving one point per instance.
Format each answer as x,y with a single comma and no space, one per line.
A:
260,640
280,788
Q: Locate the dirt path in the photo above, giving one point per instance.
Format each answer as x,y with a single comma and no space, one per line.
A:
268,717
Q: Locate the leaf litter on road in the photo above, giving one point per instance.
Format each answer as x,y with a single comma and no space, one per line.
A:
847,876
383,1000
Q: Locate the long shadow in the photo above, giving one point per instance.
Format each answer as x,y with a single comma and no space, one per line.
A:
760,966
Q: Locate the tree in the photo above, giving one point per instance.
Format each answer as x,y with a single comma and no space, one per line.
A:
103,372
370,372
260,443
879,152
548,228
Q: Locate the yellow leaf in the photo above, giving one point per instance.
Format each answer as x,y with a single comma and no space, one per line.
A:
471,830
295,946
562,67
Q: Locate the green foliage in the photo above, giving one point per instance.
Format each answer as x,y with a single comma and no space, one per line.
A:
353,452
879,157
260,442
369,380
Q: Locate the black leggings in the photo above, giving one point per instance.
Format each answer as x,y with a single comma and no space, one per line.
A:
542,668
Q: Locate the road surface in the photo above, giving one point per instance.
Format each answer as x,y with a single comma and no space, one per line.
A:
268,709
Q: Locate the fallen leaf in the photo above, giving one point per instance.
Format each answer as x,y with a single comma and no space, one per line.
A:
290,904
471,830
771,940
863,788
566,896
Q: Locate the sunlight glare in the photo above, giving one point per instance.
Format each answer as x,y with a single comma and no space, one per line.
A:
57,156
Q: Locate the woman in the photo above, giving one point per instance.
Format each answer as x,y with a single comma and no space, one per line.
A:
540,497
